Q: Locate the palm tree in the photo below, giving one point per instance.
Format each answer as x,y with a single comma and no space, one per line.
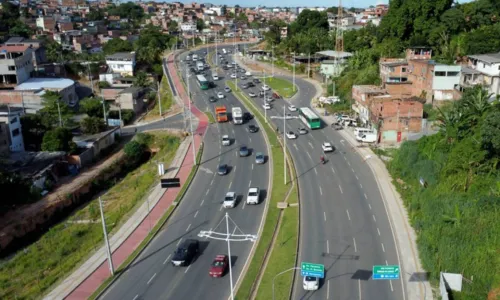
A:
477,101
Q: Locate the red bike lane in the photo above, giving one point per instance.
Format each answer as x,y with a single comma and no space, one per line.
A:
92,282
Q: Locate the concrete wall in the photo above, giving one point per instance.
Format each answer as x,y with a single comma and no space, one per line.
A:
445,77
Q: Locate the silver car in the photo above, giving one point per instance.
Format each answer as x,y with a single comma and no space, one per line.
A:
259,158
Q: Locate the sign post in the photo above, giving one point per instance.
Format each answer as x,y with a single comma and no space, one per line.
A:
314,270
386,272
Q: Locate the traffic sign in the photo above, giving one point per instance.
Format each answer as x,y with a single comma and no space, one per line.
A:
314,270
385,272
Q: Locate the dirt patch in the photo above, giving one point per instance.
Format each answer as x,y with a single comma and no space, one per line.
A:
494,294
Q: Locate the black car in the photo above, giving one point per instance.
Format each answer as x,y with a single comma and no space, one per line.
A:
222,169
256,80
252,128
185,253
225,68
247,116
212,99
245,86
250,84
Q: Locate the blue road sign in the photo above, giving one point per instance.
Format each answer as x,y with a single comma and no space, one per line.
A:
385,272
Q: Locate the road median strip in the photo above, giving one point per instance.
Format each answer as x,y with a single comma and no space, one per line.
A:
277,246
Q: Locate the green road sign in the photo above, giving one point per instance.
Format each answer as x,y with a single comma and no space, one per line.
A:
314,270
386,272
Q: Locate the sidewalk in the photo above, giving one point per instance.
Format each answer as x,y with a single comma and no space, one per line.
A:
88,277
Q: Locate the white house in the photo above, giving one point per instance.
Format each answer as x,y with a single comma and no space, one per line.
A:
122,63
188,26
487,72
11,135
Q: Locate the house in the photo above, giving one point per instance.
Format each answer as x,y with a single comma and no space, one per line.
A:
482,69
15,64
46,23
188,26
11,135
130,97
333,56
284,32
364,96
122,63
38,50
394,74
92,146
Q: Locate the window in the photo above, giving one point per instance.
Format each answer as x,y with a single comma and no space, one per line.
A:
12,68
14,120
440,73
15,132
452,74
403,70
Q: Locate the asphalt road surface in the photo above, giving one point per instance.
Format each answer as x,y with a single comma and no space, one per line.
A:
152,276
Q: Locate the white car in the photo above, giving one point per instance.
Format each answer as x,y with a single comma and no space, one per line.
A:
234,75
288,116
229,200
269,99
253,196
225,140
310,283
265,87
291,135
251,94
220,95
215,77
267,106
327,147
247,73
292,108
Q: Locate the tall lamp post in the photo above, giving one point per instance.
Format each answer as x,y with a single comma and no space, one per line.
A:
284,117
228,237
190,119
265,110
274,278
293,57
272,60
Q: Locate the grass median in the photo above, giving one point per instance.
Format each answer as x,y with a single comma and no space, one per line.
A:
288,231
32,272
282,86
210,116
167,99
159,225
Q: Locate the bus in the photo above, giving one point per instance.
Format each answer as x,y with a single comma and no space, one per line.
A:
202,82
309,118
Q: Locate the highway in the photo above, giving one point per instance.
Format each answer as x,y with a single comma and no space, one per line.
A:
152,276
344,224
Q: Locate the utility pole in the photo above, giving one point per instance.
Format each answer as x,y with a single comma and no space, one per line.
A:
293,57
191,121
272,59
106,241
265,110
104,108
159,99
228,237
309,65
284,136
234,58
90,77
59,112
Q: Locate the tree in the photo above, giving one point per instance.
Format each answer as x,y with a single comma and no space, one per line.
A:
117,45
92,125
127,10
173,26
33,131
9,16
134,150
95,15
53,51
200,25
141,80
308,19
55,110
18,190
490,133
58,139
21,29
93,107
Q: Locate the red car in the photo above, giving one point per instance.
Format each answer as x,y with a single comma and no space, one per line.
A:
219,266
276,96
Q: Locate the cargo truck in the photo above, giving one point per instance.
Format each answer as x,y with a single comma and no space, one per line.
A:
237,114
221,113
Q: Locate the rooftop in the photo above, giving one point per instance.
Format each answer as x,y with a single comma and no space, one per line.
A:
331,53
467,70
5,110
491,58
121,56
45,83
369,89
8,48
394,63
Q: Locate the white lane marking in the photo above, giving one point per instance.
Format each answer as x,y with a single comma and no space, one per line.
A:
244,203
386,263
356,177
212,182
390,283
234,169
189,226
355,247
324,216
152,277
359,287
374,218
179,242
136,296
348,216
202,202
349,163
327,247
378,231
340,189
344,158
310,144
220,208
366,197
383,248
295,146
231,183
250,183
208,191
352,170
315,171
252,166
369,206
333,170
309,155
360,185
328,290
250,139
232,131
320,191
187,269
168,257
195,214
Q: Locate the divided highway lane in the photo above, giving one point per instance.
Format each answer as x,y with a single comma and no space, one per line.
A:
152,276
344,224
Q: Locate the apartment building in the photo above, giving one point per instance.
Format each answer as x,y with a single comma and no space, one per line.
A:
38,50
15,64
11,135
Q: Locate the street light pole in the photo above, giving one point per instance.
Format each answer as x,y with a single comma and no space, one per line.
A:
284,142
294,268
227,237
272,59
106,241
159,96
104,108
293,71
190,119
265,110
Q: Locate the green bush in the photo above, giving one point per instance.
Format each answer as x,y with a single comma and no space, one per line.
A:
134,150
59,139
127,115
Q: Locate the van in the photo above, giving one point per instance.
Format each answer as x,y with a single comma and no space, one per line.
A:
200,66
361,131
368,138
349,122
224,50
195,57
215,76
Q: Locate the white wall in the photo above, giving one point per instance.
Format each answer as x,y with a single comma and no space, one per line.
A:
490,69
447,82
122,67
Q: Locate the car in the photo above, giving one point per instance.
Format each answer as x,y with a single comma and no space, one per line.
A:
243,70
185,253
267,106
206,66
292,108
229,200
288,116
259,158
250,84
212,99
252,128
225,68
253,195
220,95
222,169
276,96
262,94
215,77
243,151
228,66
327,147
227,89
188,57
243,77
310,283
337,126
302,130
269,99
291,135
234,63
256,80
225,140
234,75
219,266
252,94
265,87
245,86
247,73
247,116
